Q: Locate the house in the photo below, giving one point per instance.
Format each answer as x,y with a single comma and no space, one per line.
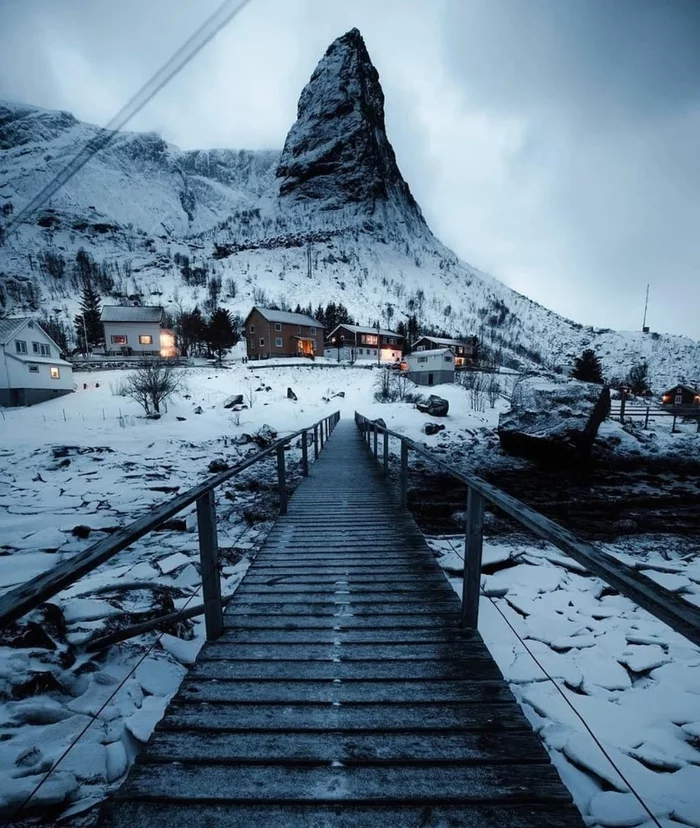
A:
680,396
135,331
431,367
350,343
31,368
462,349
274,333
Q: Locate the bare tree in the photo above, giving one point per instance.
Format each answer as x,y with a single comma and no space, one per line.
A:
152,384
401,385
493,390
250,395
476,393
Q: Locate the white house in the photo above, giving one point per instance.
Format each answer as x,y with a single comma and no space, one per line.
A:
431,367
133,331
353,343
31,368
462,349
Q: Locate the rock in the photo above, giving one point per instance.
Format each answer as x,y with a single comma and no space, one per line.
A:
153,416
218,466
265,436
380,422
339,394
31,636
81,531
173,525
181,419
40,682
553,418
236,399
187,396
434,406
337,154
433,428
625,526
198,410
291,395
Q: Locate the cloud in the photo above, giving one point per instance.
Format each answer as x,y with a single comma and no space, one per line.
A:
550,143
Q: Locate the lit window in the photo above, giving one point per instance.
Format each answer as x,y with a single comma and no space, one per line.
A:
262,342
20,346
55,373
33,369
118,339
144,339
278,326
278,342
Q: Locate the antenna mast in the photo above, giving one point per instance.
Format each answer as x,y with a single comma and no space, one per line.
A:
645,329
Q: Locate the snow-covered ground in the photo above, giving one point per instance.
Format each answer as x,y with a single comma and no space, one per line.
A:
92,460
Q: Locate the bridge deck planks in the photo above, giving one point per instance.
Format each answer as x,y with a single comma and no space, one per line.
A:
343,678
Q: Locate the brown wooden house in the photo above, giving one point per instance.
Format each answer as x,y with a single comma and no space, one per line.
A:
350,343
681,396
273,333
462,349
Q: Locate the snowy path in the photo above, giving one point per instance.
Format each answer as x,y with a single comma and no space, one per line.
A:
343,677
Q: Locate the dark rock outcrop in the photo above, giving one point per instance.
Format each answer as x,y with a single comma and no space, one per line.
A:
235,399
433,428
434,406
337,154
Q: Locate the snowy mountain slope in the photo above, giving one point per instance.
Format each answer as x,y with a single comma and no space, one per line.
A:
334,196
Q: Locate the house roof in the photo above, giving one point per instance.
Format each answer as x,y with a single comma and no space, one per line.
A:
434,352
128,313
286,317
10,325
361,330
684,387
44,360
441,340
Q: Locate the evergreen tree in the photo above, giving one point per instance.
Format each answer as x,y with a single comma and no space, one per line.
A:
638,378
88,322
587,367
191,330
221,332
320,316
412,331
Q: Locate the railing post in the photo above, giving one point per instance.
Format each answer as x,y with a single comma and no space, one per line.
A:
385,453
304,453
375,441
322,435
403,479
316,442
623,400
282,480
473,545
209,557
646,418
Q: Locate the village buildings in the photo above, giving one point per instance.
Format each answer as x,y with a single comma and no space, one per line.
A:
352,343
463,350
136,331
431,367
274,333
31,368
681,396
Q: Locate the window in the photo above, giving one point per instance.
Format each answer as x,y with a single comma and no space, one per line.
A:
33,369
145,339
392,340
679,399
251,344
278,342
278,326
312,331
55,373
420,348
118,339
20,346
369,339
298,328
448,359
422,359
40,348
262,342
251,329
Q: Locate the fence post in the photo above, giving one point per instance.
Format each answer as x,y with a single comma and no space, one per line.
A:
282,480
403,479
209,557
646,418
304,453
673,427
623,400
473,545
375,441
316,442
385,453
322,435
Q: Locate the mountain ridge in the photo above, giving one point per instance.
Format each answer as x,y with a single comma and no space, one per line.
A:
331,204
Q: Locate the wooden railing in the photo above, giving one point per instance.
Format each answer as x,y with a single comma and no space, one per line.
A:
26,597
680,615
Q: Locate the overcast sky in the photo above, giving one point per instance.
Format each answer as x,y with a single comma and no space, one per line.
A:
552,143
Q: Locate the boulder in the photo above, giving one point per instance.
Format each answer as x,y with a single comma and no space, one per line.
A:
434,406
291,395
181,419
81,531
380,422
433,428
553,418
265,436
217,466
198,410
339,394
236,399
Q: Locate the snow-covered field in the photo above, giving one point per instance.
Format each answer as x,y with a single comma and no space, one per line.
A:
92,460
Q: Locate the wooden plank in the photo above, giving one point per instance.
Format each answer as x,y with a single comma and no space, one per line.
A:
347,652
209,559
329,635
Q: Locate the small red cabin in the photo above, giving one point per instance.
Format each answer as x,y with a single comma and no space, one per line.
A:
680,396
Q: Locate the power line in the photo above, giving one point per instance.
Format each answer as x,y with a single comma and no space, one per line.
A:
194,44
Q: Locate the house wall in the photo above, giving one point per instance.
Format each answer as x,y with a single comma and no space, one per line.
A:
423,365
21,386
354,348
132,331
267,331
439,376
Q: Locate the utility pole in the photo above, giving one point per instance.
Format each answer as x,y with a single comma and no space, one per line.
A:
379,344
645,329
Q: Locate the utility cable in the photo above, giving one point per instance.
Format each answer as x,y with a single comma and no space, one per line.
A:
566,699
194,44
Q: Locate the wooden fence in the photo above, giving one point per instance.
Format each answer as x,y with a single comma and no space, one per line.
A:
635,409
680,615
26,597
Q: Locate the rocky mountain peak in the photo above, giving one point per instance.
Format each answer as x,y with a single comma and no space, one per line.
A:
337,154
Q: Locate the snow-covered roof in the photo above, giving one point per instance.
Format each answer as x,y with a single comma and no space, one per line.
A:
360,330
286,317
44,360
434,352
683,386
127,313
10,325
441,340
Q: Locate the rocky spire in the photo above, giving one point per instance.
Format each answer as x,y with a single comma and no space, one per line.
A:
337,154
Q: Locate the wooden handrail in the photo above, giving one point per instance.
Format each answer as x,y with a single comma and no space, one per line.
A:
29,595
665,605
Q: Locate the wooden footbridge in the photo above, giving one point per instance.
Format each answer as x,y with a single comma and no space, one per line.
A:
345,684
